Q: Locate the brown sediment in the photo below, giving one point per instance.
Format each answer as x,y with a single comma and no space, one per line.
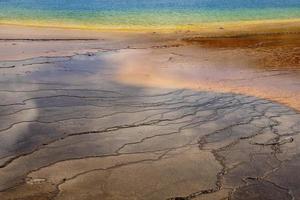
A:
275,50
277,55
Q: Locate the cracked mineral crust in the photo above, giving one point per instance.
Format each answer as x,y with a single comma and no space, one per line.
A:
80,127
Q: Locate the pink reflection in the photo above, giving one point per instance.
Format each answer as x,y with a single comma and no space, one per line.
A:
219,71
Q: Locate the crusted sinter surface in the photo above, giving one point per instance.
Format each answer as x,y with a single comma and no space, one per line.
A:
70,129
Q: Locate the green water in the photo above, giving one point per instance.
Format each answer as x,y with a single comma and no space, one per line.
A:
148,13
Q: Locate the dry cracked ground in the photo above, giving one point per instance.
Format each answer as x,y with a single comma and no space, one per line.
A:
70,132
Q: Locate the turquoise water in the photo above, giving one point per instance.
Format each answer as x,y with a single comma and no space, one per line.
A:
126,13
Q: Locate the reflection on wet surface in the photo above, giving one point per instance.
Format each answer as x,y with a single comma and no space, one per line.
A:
86,127
223,70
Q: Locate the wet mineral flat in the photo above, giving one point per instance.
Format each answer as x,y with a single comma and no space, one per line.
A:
69,129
